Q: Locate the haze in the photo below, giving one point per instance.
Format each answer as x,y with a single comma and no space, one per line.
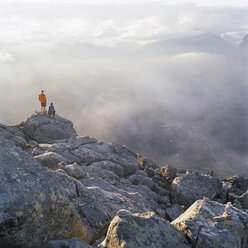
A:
166,78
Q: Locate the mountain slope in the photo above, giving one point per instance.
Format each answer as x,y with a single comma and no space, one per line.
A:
72,186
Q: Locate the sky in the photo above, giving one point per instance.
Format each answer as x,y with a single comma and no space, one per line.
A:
125,71
109,22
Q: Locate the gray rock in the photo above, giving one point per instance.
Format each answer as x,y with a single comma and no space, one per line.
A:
144,180
214,225
226,187
141,195
164,200
232,197
232,188
174,211
107,200
90,183
74,170
143,230
238,182
41,128
146,163
123,213
95,193
69,144
69,243
35,204
161,212
50,159
36,151
194,186
108,165
94,172
138,198
14,134
136,179
243,200
101,151
169,173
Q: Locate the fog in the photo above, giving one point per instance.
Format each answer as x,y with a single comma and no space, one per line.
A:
167,79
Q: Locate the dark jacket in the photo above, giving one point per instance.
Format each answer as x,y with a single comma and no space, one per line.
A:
51,110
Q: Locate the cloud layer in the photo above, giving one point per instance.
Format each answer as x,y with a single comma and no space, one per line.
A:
159,76
108,23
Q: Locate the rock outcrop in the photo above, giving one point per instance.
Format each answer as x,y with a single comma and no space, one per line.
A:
34,207
142,230
41,128
193,186
214,225
243,200
57,188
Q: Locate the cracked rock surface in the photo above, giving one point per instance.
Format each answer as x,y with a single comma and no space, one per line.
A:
214,225
56,185
142,230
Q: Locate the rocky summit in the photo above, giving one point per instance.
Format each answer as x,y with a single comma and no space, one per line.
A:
61,190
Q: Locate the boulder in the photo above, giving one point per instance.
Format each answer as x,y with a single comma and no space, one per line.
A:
142,230
98,202
233,188
41,128
76,171
214,225
194,186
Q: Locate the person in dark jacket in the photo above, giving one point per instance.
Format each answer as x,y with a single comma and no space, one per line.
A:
51,110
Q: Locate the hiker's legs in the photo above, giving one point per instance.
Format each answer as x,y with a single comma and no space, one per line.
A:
53,113
43,108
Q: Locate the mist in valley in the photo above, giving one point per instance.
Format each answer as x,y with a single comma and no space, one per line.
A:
156,77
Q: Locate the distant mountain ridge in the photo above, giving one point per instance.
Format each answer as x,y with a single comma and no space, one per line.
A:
208,43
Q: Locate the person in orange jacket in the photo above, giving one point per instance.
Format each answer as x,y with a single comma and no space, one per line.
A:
43,100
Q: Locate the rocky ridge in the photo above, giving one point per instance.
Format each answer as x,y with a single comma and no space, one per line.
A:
58,189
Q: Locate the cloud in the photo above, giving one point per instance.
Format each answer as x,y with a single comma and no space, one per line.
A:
83,2
107,23
90,58
236,3
6,57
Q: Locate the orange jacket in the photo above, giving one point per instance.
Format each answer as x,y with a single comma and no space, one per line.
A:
42,98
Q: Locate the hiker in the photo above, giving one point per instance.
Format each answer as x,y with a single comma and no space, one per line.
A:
51,110
43,100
